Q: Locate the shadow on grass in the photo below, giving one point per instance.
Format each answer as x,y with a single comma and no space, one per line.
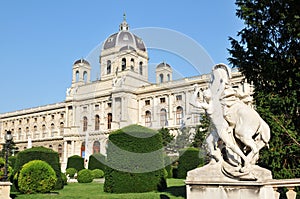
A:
178,191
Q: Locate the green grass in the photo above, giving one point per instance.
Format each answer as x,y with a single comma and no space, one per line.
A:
176,189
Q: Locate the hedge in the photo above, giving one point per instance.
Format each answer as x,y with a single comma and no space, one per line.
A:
85,176
97,161
36,176
134,161
188,159
39,153
75,162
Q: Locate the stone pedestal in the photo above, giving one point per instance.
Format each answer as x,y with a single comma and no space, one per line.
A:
210,182
5,190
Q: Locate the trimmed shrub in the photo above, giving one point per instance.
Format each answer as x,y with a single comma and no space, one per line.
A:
71,172
39,153
76,162
2,167
64,178
97,161
36,176
168,167
12,161
134,161
85,176
188,159
97,173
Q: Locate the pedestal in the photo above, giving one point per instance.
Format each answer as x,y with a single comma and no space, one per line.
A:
210,182
5,190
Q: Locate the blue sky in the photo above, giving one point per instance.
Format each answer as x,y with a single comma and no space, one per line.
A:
40,40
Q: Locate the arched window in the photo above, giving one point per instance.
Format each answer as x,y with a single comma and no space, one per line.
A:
141,68
97,122
36,133
52,130
59,150
179,115
44,130
27,133
96,147
161,78
77,76
85,76
85,124
169,78
20,134
163,117
123,64
61,128
109,120
148,119
82,149
108,67
132,64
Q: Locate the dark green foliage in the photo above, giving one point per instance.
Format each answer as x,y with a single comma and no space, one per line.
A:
97,161
189,159
97,173
168,167
2,165
64,178
135,161
76,162
71,172
166,136
268,55
39,153
85,176
36,176
12,161
201,132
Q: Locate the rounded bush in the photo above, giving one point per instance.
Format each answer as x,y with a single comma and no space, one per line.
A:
71,172
97,173
36,176
85,176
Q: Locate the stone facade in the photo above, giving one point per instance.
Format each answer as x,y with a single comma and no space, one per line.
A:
81,124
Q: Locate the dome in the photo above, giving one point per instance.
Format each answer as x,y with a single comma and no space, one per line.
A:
124,38
81,61
163,64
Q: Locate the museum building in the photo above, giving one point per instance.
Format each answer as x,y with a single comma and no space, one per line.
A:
122,96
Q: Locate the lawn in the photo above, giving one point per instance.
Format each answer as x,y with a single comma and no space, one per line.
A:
176,189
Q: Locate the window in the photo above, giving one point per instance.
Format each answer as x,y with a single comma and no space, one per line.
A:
85,77
141,68
96,147
61,128
109,105
97,107
163,117
44,130
132,64
108,67
109,120
179,115
52,130
20,134
147,102
161,78
97,122
85,124
77,76
169,78
123,64
82,149
36,133
59,150
148,119
178,97
162,100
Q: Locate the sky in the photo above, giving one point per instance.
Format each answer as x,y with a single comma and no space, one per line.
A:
40,40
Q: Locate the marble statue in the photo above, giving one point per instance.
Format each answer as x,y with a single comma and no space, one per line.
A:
237,132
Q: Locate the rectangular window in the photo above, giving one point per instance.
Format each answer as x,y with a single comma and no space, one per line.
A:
147,102
109,105
162,100
178,97
97,107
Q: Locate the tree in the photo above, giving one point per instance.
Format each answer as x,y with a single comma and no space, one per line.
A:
201,132
268,55
166,136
